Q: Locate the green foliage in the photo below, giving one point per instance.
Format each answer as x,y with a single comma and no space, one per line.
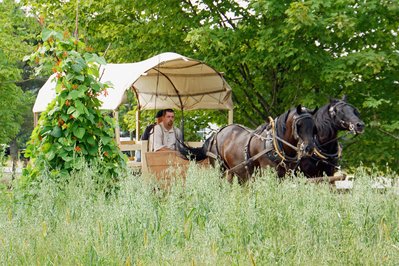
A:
3,158
194,122
286,52
14,104
17,32
14,33
10,104
207,221
73,127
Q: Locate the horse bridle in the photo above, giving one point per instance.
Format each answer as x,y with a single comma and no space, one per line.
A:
332,112
295,123
300,145
350,126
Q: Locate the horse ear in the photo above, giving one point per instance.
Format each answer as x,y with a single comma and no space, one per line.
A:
332,100
299,109
314,110
344,98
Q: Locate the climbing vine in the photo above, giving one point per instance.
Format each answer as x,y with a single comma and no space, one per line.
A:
73,128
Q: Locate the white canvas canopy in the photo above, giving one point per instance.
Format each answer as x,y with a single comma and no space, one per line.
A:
167,80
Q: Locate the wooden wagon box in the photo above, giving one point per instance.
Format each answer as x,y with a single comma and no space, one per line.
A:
168,165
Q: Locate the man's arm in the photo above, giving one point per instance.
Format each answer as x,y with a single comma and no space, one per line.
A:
157,138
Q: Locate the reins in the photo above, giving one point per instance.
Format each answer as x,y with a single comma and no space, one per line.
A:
335,139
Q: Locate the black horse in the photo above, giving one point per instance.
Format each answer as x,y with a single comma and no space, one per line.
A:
338,115
279,144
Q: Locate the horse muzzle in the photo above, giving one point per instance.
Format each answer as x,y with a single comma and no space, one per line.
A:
356,128
306,149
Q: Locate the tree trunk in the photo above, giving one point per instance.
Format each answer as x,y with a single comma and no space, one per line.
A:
14,156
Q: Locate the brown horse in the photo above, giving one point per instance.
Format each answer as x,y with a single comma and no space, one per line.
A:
279,144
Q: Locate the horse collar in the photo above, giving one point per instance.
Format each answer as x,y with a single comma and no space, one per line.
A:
295,122
277,142
335,155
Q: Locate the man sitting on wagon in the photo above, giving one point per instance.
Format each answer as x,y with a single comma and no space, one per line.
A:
165,134
149,130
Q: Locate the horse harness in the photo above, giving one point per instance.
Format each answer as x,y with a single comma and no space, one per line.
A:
332,113
272,146
332,158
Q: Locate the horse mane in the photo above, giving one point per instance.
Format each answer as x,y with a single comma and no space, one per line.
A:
259,130
281,126
323,121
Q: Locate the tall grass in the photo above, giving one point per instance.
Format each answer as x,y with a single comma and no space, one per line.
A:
205,221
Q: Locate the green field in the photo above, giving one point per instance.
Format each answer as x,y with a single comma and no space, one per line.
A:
204,222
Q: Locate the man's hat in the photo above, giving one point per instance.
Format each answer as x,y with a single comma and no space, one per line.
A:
159,114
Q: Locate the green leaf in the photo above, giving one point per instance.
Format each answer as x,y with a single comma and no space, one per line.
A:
93,58
78,67
64,117
75,94
65,156
56,132
71,109
46,147
58,87
52,111
79,132
47,34
371,102
80,77
80,107
105,140
93,71
76,114
63,141
93,150
91,140
50,155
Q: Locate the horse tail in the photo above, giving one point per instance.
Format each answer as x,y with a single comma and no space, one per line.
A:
190,153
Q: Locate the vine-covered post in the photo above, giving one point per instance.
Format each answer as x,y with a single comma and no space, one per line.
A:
73,128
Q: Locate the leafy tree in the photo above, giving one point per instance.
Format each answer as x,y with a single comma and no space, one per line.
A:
10,117
288,52
16,37
13,46
274,53
73,127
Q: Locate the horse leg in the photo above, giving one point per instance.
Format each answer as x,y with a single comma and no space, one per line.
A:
329,170
281,171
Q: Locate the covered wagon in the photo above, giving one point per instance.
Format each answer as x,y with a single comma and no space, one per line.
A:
167,80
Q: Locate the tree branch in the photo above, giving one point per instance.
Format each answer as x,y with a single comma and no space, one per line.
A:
76,33
388,133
